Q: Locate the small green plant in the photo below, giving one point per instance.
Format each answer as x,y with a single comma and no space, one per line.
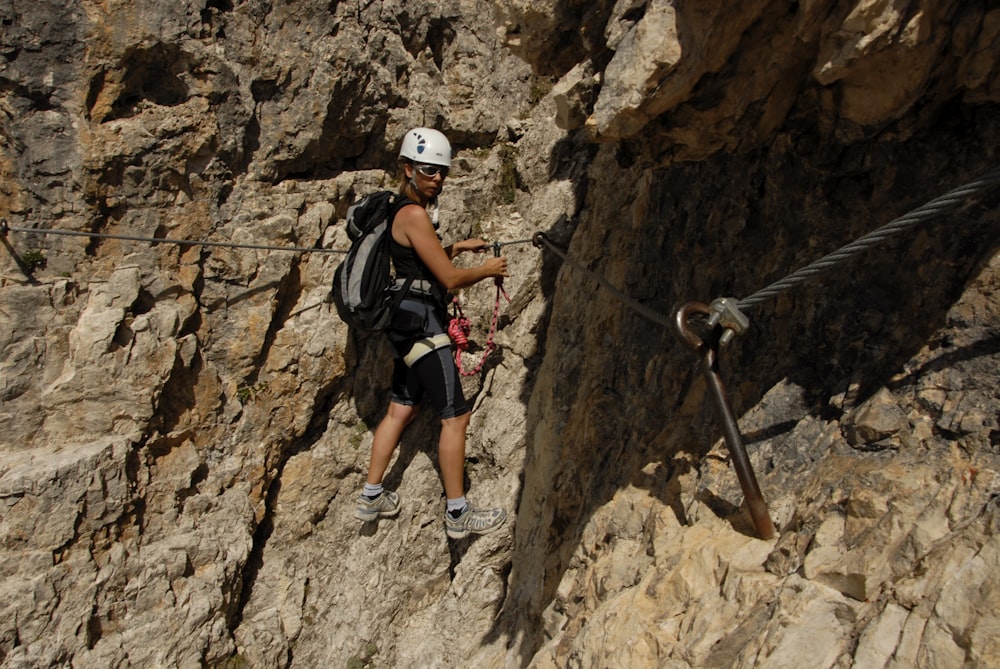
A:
34,259
538,91
364,660
236,662
248,393
477,229
356,439
509,178
540,87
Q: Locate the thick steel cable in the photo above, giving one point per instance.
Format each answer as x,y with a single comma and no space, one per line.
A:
166,240
516,241
936,206
933,208
635,305
189,242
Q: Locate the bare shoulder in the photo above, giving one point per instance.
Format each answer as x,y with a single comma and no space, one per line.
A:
411,219
411,213
412,216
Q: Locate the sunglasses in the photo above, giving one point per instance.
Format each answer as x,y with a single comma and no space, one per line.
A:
431,171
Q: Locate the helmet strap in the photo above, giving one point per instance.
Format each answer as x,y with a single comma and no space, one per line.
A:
436,214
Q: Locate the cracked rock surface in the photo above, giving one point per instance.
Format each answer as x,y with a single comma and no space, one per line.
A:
184,427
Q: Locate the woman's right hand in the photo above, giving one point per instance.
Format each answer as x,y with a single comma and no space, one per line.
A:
496,266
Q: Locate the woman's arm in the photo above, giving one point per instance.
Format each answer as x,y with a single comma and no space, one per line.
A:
474,245
413,228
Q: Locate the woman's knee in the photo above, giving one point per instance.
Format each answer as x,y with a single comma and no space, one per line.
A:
457,422
403,413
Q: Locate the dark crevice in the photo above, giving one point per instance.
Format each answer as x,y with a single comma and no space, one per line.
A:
262,534
150,74
210,18
289,291
178,396
256,558
440,34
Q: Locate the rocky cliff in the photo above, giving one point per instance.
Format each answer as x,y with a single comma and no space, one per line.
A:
185,426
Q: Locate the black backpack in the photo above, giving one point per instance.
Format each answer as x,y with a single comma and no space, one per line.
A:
363,283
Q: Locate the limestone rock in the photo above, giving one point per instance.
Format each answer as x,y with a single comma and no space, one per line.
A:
184,426
878,419
573,95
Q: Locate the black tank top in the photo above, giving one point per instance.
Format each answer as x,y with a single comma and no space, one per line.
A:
408,264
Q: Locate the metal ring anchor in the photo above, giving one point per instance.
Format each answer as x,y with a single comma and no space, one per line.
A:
708,351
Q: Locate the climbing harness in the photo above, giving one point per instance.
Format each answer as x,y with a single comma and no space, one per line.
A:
422,347
460,326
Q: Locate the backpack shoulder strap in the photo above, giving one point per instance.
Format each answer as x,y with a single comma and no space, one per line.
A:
398,202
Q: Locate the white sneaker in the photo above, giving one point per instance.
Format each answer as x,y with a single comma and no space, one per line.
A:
473,521
385,505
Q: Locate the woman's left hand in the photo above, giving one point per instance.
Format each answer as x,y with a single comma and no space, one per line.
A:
474,245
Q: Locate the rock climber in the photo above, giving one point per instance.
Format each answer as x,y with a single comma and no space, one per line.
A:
423,363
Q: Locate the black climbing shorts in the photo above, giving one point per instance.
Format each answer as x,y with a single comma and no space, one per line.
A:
434,374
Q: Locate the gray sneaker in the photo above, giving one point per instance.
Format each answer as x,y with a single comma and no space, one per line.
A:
385,505
473,521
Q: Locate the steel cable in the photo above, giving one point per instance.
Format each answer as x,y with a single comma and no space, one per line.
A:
165,240
928,210
933,208
639,307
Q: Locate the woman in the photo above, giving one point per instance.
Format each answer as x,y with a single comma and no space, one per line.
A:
423,362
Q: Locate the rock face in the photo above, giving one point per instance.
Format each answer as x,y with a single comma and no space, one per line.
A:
185,427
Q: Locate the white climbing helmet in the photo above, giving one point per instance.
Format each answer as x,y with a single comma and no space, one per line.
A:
426,145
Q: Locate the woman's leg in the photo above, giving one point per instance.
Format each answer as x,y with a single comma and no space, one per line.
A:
451,454
387,436
460,518
443,385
